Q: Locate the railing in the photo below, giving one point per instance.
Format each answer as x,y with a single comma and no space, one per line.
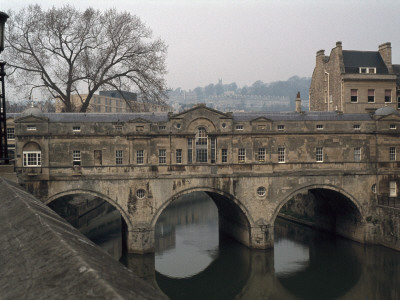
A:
385,200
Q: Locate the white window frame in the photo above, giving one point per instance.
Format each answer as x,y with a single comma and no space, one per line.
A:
261,154
162,156
319,126
76,158
356,127
373,100
261,191
32,158
31,127
351,95
241,155
281,127
319,154
76,128
10,133
239,127
140,157
178,156
281,155
392,126
118,157
392,153
388,100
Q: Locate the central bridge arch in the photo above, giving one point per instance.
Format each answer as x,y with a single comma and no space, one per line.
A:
234,218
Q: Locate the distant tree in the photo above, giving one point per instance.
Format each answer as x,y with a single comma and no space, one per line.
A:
199,92
232,87
64,51
209,90
219,89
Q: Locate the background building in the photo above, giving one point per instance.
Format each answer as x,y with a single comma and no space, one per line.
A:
113,102
355,81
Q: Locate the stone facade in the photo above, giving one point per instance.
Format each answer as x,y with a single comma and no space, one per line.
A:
250,164
355,81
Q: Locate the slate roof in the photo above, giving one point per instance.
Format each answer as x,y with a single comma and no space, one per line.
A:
396,70
354,59
237,116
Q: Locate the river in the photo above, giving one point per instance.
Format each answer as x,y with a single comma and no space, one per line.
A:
192,261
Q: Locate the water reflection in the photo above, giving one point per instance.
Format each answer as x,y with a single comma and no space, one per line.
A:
187,236
193,262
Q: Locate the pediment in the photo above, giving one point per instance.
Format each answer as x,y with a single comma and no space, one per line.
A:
201,110
31,119
261,120
391,117
139,120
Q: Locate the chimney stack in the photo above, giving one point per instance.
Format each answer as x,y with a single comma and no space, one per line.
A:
298,103
385,50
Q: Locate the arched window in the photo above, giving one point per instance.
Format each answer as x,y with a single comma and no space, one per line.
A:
201,145
32,155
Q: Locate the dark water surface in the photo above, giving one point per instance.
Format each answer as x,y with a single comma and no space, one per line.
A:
193,262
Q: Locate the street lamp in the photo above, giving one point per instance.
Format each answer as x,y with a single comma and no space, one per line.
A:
3,118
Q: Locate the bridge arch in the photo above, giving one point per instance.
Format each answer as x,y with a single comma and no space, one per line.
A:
345,216
238,226
92,193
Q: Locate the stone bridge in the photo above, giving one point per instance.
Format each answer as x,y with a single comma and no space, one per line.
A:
251,165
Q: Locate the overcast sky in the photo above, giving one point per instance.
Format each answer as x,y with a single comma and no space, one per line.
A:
247,40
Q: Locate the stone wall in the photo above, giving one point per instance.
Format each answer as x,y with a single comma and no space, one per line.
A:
43,257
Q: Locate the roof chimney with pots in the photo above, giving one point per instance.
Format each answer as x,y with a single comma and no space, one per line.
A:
385,50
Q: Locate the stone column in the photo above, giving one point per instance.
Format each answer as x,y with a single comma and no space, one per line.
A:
262,237
140,240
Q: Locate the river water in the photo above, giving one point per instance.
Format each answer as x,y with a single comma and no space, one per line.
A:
192,261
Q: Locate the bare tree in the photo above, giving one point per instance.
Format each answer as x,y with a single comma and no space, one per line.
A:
66,51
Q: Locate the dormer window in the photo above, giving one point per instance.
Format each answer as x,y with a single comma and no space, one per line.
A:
367,70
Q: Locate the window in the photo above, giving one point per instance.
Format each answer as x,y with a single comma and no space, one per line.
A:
213,149
239,127
373,188
140,193
140,157
190,151
10,133
162,127
76,158
118,127
76,128
371,95
281,155
31,127
392,189
261,154
392,126
178,156
162,156
356,126
281,127
178,126
392,153
319,126
354,95
388,96
367,70
224,155
242,155
261,191
357,154
201,145
139,128
398,102
319,156
118,157
32,158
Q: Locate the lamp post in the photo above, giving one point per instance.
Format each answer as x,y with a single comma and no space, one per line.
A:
3,118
